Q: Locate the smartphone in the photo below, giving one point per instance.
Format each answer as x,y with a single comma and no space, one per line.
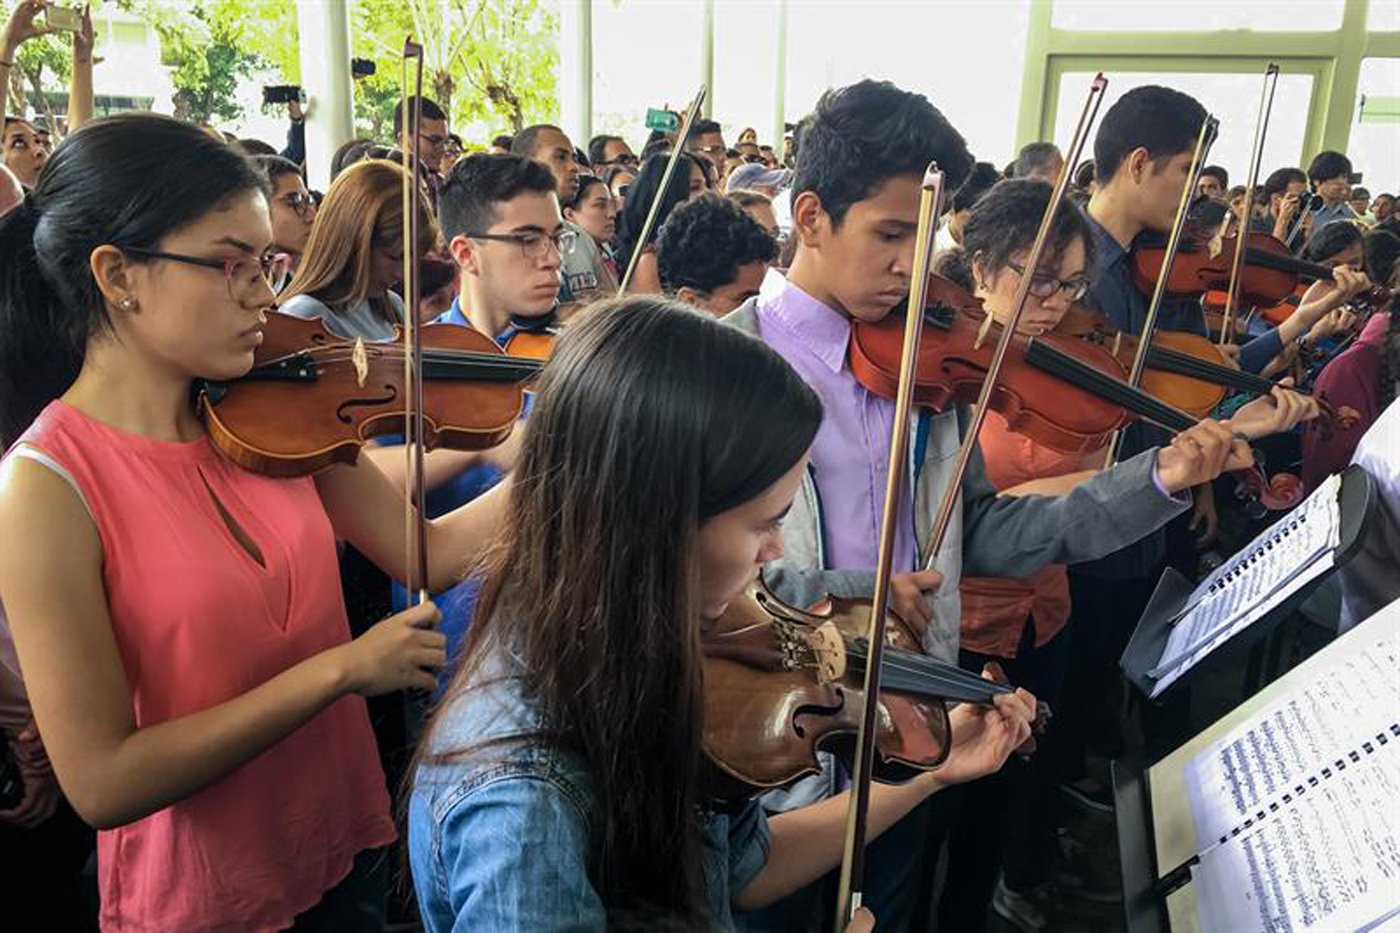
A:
62,17
361,67
283,94
1354,178
663,121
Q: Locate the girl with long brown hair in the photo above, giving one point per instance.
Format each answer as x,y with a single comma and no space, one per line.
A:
559,780
355,254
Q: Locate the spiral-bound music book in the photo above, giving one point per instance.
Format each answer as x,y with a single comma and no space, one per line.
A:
1297,809
1185,623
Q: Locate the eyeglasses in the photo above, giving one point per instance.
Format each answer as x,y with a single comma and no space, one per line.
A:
432,139
534,245
242,275
1044,285
298,201
626,158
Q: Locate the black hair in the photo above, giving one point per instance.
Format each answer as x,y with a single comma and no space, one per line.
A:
1218,173
256,147
125,181
704,242
1330,239
526,141
956,266
1327,165
1034,157
1162,121
862,135
598,147
1279,180
643,192
454,138
702,126
477,183
581,158
585,181
274,167
657,142
1358,192
1084,175
429,110
1382,249
612,171
348,154
1005,222
983,176
503,141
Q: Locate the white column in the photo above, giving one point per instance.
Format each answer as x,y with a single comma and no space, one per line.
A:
323,29
576,70
780,79
707,57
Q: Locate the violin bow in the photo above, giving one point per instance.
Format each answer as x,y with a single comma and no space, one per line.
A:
1210,127
853,855
682,135
952,494
415,512
1261,126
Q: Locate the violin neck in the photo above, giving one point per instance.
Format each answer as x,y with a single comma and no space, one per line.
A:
1184,364
1078,373
919,675
1267,260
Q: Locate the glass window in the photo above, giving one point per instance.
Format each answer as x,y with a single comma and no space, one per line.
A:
1374,147
644,55
1199,15
966,56
745,88
1233,98
1383,16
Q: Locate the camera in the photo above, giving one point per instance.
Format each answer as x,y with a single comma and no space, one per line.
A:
284,94
361,67
62,17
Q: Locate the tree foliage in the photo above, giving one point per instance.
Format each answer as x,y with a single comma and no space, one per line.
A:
491,64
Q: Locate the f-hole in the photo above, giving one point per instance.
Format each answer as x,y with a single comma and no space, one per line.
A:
244,540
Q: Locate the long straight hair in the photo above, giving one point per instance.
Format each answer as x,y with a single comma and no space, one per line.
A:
650,419
362,210
125,181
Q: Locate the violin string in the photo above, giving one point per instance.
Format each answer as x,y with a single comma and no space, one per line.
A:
522,368
1081,374
908,662
1184,364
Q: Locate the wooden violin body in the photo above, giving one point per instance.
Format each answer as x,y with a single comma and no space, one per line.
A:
1268,274
953,358
313,399
782,684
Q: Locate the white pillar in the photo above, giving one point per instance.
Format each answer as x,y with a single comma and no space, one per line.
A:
323,29
707,57
576,70
780,79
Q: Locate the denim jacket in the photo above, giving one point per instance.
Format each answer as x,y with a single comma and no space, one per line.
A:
506,837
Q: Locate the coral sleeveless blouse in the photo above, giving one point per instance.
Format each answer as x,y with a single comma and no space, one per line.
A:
201,617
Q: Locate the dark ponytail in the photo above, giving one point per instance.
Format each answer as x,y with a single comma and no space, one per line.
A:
127,181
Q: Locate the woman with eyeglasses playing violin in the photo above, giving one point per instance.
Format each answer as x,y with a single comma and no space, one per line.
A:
178,619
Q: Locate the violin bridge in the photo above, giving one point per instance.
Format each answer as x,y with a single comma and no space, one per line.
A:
829,650
359,357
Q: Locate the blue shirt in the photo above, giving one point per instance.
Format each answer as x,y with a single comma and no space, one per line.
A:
504,830
1326,215
458,603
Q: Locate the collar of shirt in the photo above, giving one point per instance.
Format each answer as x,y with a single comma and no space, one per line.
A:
455,315
820,329
1109,250
1325,215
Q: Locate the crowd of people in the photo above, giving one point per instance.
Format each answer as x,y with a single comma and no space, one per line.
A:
215,688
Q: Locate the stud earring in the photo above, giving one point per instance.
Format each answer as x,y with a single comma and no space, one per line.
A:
125,304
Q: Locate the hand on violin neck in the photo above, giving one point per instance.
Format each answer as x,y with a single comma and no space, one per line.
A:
909,597
1200,454
985,736
1275,413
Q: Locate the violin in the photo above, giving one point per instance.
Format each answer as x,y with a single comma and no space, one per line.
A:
313,398
1269,275
533,338
782,684
1065,393
1184,370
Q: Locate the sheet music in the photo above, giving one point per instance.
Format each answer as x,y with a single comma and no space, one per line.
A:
1329,861
1296,810
1353,700
1293,551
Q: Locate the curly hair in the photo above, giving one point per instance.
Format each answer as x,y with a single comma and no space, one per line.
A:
705,241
